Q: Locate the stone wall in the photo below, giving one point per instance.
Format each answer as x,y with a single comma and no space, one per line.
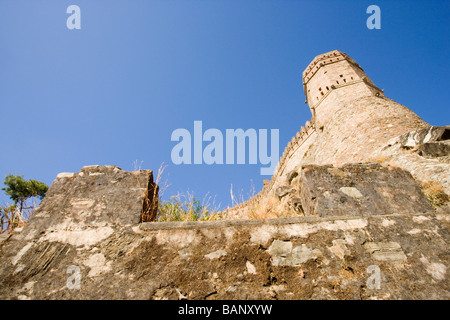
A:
295,149
359,190
425,153
86,241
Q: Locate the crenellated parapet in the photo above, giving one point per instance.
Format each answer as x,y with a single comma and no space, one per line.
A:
325,59
296,142
331,72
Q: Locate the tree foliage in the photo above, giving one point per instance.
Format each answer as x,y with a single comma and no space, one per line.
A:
19,189
25,195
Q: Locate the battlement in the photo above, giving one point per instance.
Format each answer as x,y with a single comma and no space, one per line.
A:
293,146
326,74
324,59
296,142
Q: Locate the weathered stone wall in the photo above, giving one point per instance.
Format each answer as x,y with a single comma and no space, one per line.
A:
86,242
295,258
425,153
359,190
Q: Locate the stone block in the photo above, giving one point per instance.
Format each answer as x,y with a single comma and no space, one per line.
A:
360,189
428,134
97,195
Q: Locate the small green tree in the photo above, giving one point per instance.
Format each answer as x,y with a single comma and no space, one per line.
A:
20,190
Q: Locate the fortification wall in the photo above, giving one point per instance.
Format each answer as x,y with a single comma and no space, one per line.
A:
79,247
290,158
425,153
354,133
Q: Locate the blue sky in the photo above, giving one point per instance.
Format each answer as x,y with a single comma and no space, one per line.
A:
114,91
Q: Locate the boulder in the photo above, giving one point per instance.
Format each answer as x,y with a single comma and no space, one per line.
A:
360,190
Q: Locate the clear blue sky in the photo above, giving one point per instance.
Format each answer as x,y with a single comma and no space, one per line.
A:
113,92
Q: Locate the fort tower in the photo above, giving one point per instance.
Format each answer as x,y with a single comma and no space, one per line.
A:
351,115
330,81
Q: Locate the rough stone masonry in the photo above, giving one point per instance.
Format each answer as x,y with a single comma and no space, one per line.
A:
363,227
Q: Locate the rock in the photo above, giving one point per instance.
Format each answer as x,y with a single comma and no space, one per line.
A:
386,251
85,208
63,175
414,138
360,189
434,149
280,248
290,258
250,268
297,204
4,237
216,254
283,191
291,175
339,248
283,254
351,192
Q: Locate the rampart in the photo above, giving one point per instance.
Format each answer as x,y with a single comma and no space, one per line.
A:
375,244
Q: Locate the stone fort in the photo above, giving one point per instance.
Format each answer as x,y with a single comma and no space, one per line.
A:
353,121
361,191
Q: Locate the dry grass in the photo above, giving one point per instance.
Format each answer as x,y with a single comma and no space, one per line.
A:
237,199
435,193
184,207
270,207
380,159
180,207
267,206
11,218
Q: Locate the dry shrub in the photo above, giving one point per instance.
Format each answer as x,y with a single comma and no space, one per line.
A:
270,207
11,218
435,193
184,207
380,159
180,207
